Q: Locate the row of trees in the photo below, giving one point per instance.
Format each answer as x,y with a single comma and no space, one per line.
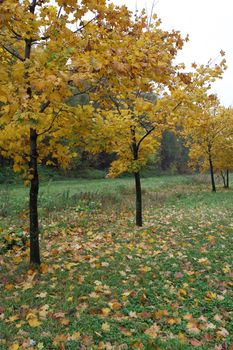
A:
87,74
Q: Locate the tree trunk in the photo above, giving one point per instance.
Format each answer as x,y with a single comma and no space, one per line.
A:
228,183
212,175
138,198
224,179
33,210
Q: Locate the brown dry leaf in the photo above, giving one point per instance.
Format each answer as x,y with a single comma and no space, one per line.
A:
65,321
160,313
44,268
153,331
222,333
173,321
195,342
193,327
138,345
125,331
57,315
188,317
59,339
115,305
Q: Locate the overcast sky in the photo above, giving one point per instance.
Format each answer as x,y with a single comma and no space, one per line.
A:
209,24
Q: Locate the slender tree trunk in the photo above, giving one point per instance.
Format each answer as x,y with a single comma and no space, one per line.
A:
137,178
212,174
34,188
138,198
228,183
224,179
33,210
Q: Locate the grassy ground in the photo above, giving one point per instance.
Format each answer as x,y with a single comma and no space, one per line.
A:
105,284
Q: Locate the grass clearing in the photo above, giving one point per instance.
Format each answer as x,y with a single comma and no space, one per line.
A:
105,284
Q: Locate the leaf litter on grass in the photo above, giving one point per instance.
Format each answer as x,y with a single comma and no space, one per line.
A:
165,286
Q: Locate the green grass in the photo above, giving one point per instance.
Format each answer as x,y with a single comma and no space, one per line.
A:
105,284
57,194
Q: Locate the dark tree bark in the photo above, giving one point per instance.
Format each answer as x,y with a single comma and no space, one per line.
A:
33,208
225,177
212,174
138,188
138,198
34,187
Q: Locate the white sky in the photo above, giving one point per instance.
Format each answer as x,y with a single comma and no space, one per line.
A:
209,24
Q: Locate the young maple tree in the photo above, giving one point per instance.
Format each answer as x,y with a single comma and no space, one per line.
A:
50,52
210,138
132,112
224,147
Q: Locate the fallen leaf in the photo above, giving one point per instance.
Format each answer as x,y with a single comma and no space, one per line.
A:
105,327
34,322
153,331
195,342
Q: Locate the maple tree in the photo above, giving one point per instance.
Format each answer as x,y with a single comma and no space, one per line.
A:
131,113
156,99
44,62
210,138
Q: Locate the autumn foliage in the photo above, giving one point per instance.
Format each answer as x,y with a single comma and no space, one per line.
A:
52,53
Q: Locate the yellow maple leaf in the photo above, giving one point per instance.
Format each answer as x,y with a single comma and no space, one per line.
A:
44,268
14,346
75,336
34,322
105,327
105,311
210,296
9,286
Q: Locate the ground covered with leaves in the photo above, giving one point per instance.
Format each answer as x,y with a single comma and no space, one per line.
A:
105,284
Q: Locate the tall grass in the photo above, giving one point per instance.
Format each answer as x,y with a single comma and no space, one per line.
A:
110,195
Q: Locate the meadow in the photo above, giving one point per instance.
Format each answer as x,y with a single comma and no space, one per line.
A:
105,284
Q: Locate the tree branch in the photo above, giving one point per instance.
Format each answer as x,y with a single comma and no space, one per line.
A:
116,104
85,25
13,52
88,89
143,138
59,12
44,106
52,123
